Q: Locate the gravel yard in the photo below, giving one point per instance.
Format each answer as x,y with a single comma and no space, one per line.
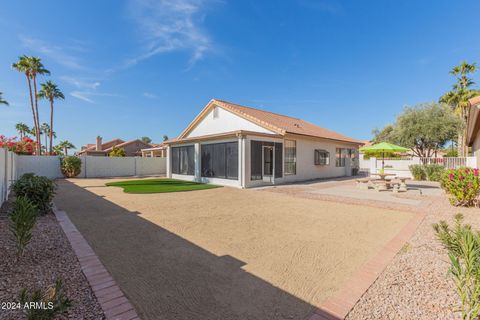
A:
225,253
416,285
48,257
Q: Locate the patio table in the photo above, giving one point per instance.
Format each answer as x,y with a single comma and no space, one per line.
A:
383,182
383,176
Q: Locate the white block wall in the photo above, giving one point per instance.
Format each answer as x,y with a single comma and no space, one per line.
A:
40,165
93,167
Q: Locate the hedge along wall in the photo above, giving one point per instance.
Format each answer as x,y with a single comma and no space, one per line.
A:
93,167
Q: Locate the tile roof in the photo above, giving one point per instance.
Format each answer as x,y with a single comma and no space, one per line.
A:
280,123
127,143
475,101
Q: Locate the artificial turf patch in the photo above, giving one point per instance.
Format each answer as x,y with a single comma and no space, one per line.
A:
159,185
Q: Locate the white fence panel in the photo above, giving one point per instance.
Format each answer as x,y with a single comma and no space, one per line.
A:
447,162
48,166
3,175
400,167
96,167
151,166
8,172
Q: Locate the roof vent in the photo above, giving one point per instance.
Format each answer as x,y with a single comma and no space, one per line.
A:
215,113
296,125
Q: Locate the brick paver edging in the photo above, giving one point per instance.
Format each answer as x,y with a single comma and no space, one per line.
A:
338,306
112,300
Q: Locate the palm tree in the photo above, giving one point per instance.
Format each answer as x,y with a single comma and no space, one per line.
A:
45,129
31,67
22,129
65,145
51,92
458,98
165,137
58,150
3,101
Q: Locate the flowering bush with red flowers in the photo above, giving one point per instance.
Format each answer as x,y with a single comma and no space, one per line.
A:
462,185
24,146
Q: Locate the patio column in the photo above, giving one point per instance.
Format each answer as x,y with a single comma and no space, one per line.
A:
197,158
241,161
169,163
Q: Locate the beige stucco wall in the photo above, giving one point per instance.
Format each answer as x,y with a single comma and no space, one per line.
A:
133,149
306,168
476,148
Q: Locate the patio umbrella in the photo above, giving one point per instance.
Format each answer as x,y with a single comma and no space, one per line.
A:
384,147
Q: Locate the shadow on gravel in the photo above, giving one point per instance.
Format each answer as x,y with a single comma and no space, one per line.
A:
168,277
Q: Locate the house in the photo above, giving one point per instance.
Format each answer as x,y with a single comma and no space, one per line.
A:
132,148
157,150
473,128
234,145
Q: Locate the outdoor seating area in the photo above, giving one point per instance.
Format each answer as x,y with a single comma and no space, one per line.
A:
383,182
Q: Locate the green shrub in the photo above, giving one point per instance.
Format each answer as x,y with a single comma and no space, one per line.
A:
462,185
117,152
418,172
434,172
39,190
463,246
22,220
70,166
54,299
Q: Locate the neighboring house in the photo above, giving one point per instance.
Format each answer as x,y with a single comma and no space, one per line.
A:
234,145
473,128
132,148
157,150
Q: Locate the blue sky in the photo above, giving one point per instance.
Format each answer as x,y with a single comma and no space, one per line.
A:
146,68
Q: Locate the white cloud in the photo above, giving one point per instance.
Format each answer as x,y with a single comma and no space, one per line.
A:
150,95
54,52
81,83
82,96
88,96
170,25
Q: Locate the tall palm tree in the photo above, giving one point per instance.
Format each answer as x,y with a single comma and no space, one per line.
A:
22,129
23,66
50,91
2,101
458,98
32,67
45,128
65,145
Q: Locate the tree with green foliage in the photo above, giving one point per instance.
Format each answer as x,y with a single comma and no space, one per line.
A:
165,137
146,139
458,98
117,152
2,101
22,129
382,135
32,67
65,145
51,92
424,128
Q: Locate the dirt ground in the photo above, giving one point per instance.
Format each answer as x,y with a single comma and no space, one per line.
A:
225,253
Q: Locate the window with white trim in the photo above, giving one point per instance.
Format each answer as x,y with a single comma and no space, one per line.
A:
290,157
322,157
